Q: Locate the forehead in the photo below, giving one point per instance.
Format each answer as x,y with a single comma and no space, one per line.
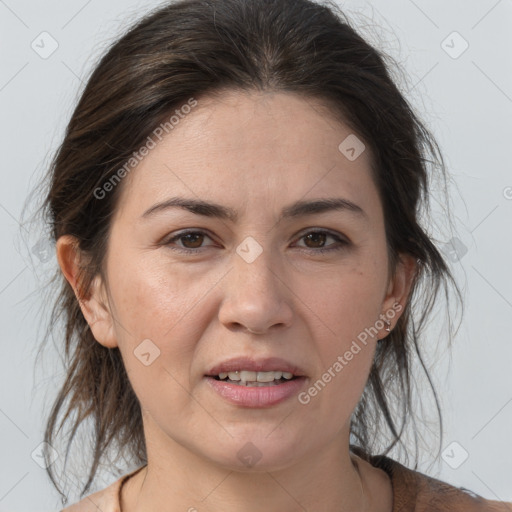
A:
270,147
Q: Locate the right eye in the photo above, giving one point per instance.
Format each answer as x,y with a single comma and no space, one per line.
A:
193,239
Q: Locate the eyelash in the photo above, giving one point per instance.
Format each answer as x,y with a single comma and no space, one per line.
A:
341,243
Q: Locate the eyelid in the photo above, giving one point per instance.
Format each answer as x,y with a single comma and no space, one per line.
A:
190,231
341,240
325,231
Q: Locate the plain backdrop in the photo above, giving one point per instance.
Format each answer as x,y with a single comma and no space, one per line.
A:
456,56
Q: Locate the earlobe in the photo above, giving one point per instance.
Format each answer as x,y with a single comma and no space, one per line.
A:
98,310
93,302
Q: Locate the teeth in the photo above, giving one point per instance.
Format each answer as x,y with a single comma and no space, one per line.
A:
268,376
251,376
248,376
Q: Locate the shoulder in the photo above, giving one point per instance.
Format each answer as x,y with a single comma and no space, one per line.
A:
415,491
436,495
106,500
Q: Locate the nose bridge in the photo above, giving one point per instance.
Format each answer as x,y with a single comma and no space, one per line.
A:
255,296
253,270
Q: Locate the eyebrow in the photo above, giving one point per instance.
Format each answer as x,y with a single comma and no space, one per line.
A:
297,209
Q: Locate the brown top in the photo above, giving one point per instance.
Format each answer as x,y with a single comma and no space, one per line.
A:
416,492
412,492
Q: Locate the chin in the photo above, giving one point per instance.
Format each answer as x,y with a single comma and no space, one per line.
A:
257,451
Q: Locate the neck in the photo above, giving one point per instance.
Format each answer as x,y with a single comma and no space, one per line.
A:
329,480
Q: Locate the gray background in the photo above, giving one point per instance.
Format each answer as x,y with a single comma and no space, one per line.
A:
466,100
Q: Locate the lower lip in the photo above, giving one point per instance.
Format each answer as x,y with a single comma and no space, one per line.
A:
263,396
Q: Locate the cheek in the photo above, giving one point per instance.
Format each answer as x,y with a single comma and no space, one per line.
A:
344,310
154,298
346,301
156,311
161,310
345,349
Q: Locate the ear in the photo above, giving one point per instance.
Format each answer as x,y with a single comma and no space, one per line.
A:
94,304
398,291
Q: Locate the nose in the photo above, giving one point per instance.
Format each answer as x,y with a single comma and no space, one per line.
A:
256,297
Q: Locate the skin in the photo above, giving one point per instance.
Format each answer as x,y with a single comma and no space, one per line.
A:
255,153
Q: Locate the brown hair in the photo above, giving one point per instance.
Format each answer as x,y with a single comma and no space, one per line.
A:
192,48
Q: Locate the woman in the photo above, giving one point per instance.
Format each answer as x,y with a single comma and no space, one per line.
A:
236,210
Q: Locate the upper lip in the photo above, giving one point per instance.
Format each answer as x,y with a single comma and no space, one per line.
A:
267,364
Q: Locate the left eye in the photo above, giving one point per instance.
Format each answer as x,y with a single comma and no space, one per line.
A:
192,241
316,237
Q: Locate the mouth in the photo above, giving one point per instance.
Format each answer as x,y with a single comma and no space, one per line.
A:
237,388
255,372
250,378
249,382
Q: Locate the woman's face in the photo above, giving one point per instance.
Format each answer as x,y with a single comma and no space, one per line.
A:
308,281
